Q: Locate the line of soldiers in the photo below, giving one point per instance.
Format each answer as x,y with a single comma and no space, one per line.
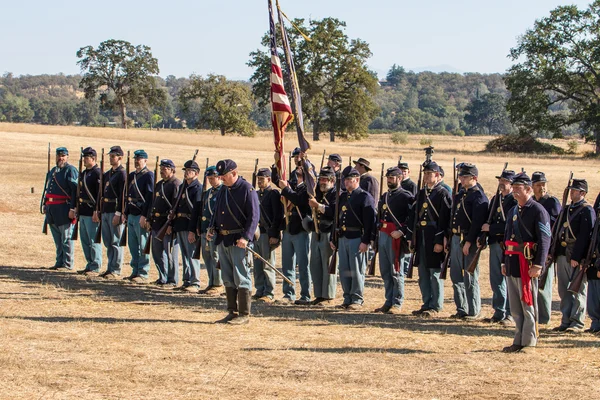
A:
339,230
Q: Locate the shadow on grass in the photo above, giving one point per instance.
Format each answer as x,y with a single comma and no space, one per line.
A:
106,320
99,289
343,350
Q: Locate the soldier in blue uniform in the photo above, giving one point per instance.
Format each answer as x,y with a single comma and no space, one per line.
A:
184,224
59,201
112,220
441,180
574,238
433,203
393,211
356,229
89,182
593,289
165,253
203,213
293,180
469,212
367,181
233,227
552,205
334,161
295,245
270,223
410,186
527,243
139,200
324,283
496,245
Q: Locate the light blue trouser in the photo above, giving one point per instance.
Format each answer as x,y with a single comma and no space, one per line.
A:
545,298
465,285
393,281
111,236
136,240
234,267
593,303
294,250
191,267
500,301
353,265
166,258
572,306
92,251
523,314
432,287
63,243
324,284
404,263
211,257
264,277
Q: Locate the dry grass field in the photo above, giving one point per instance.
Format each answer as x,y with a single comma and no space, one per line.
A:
65,336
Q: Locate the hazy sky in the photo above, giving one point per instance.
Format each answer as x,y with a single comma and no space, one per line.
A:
209,36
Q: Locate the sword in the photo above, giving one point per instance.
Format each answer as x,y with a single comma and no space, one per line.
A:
256,255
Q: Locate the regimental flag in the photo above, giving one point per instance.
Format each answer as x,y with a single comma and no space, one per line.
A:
281,112
307,167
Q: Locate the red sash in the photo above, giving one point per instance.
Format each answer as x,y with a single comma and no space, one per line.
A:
523,268
56,198
389,227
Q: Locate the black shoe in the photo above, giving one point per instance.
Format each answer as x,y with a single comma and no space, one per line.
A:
591,330
228,318
560,328
513,348
59,268
458,316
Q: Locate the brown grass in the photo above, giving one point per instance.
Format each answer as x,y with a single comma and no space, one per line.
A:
63,336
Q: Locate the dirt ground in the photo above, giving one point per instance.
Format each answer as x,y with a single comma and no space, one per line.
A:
64,336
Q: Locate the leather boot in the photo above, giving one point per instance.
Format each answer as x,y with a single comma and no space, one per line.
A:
245,302
232,307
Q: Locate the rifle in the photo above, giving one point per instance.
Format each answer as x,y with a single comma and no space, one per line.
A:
371,269
335,231
483,238
42,201
446,263
79,183
160,235
555,234
399,160
98,237
413,257
575,284
123,241
323,159
254,174
198,249
149,220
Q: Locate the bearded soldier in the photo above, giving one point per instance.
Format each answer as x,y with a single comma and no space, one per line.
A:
234,225
393,211
183,225
165,252
552,205
495,239
527,243
469,211
324,283
271,217
433,203
574,238
58,206
356,228
296,242
112,220
139,200
89,182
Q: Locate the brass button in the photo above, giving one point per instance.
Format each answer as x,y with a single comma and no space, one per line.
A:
454,230
203,218
563,244
423,223
425,205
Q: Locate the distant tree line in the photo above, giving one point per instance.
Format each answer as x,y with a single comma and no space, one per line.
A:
550,91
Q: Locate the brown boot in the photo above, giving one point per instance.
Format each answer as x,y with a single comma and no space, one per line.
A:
232,307
245,304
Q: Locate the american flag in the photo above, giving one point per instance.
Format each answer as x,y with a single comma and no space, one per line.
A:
281,112
307,167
